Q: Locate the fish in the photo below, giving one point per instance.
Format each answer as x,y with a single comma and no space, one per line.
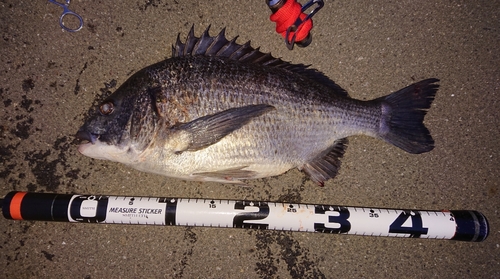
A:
222,111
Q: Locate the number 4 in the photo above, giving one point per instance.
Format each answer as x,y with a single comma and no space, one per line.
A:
416,229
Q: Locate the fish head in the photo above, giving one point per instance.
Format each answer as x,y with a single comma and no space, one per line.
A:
115,129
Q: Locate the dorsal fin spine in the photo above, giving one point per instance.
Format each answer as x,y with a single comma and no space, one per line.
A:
220,46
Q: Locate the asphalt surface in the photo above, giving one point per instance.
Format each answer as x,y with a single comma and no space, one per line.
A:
50,78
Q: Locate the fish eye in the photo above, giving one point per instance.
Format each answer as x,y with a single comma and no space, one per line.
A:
106,108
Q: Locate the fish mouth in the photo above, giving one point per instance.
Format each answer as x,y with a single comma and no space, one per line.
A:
86,136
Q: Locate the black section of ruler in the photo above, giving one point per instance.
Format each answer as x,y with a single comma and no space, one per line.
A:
39,206
6,205
471,225
170,210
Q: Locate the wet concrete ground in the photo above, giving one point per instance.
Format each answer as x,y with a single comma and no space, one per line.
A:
50,78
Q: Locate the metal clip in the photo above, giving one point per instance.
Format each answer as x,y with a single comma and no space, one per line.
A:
298,24
67,11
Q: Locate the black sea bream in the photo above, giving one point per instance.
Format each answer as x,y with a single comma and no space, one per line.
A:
221,111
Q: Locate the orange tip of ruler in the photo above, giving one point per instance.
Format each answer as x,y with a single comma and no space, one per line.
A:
15,205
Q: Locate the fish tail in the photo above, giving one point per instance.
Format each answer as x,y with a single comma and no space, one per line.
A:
403,114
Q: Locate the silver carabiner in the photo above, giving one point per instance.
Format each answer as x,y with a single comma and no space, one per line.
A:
67,11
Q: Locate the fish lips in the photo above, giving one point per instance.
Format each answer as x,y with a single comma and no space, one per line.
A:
85,135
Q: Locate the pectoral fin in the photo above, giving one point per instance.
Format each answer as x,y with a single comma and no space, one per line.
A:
207,130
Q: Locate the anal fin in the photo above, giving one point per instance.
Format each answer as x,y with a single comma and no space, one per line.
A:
327,164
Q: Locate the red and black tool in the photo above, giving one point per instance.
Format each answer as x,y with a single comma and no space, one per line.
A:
292,22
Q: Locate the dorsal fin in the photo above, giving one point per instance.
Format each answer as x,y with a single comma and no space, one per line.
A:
220,46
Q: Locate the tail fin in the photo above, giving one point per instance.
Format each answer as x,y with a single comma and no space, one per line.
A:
403,115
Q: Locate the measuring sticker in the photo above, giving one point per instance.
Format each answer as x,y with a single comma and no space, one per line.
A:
465,225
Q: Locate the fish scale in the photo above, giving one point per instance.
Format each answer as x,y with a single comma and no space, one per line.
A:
221,111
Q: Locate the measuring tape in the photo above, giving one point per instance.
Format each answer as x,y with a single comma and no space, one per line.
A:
463,225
